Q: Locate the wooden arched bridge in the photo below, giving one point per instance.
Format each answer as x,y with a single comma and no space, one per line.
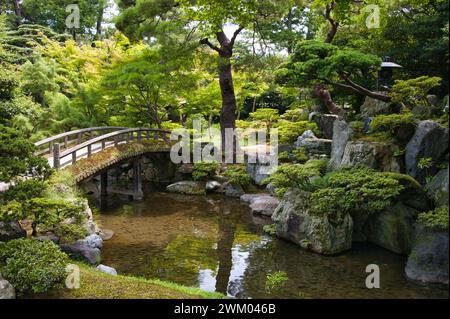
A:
67,149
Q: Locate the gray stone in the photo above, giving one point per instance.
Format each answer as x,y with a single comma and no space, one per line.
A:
342,133
271,189
233,190
93,241
437,189
212,185
325,122
188,188
317,146
428,261
429,141
186,168
260,169
81,251
305,135
261,204
373,107
7,291
106,234
295,223
107,270
379,156
392,229
11,230
48,237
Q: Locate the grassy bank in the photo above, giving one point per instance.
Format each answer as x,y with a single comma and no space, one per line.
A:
97,285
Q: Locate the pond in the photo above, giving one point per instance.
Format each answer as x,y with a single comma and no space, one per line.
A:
215,243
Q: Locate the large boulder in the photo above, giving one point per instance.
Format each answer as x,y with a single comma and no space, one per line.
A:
325,122
81,251
392,228
188,188
94,241
260,168
379,156
429,141
437,189
261,204
7,291
11,230
295,222
428,261
373,107
342,134
316,146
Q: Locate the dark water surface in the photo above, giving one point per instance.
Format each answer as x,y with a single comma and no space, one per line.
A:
216,244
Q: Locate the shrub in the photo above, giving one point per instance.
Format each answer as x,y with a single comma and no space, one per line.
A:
204,170
391,123
238,175
295,115
354,190
32,265
301,155
436,219
288,132
296,176
414,92
270,229
25,190
266,115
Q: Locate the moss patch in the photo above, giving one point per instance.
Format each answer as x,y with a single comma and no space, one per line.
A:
97,285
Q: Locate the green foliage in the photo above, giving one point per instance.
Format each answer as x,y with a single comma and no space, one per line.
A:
425,162
288,132
267,116
205,170
296,176
359,190
414,92
436,219
391,123
24,191
16,156
238,175
46,215
301,155
276,281
295,115
32,265
270,229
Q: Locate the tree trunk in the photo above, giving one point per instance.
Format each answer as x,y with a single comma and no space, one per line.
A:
229,104
99,21
17,8
325,95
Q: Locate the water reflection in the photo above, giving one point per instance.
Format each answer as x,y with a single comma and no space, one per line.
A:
216,244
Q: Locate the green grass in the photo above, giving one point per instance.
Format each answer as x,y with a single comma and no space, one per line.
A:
97,285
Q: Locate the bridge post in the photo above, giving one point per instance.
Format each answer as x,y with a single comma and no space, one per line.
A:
56,151
138,194
104,184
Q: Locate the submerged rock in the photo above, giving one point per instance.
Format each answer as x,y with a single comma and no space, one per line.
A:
261,204
7,291
295,222
10,231
82,252
428,261
188,188
107,270
233,190
429,141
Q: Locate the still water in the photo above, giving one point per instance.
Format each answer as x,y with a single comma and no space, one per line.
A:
216,244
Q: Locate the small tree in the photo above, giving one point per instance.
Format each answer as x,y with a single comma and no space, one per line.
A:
267,116
414,92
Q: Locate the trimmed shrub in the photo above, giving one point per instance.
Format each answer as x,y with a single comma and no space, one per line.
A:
205,170
24,191
32,265
436,219
237,175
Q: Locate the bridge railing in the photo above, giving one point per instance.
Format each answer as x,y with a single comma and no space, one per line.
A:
68,139
102,142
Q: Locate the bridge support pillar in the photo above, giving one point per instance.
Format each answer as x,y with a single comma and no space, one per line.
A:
104,184
138,193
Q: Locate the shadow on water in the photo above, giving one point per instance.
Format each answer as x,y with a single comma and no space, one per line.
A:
216,244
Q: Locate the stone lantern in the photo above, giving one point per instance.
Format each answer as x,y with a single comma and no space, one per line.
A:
386,73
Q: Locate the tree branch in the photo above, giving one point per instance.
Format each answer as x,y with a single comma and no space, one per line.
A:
235,35
212,46
334,25
362,90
